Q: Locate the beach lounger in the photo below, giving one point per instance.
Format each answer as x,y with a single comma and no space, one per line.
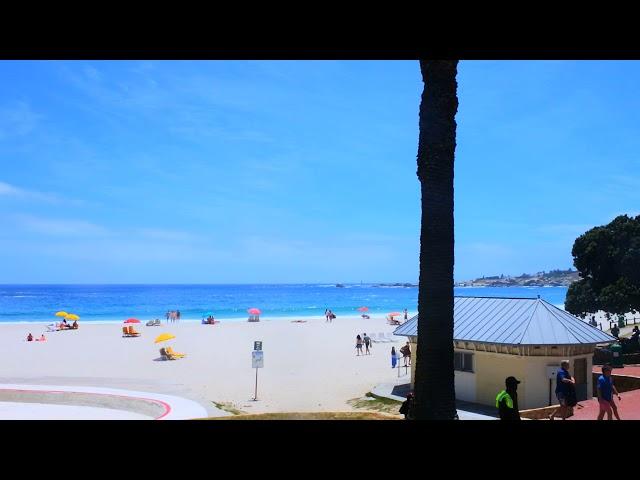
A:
170,352
151,323
125,332
382,338
52,327
132,332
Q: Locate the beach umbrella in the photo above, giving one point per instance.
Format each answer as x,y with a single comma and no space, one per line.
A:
132,320
72,316
254,311
61,314
363,309
163,337
394,314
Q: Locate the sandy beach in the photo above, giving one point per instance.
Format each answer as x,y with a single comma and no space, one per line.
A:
310,366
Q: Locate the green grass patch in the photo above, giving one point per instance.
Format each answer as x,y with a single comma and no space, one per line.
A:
376,403
228,407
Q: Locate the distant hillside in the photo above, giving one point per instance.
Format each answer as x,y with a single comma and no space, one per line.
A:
554,278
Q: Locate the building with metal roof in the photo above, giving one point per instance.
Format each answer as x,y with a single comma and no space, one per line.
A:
523,337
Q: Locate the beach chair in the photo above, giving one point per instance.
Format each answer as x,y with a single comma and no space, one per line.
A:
150,323
52,327
170,352
132,332
382,338
156,322
125,332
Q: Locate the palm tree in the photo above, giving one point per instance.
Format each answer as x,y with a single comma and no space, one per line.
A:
434,377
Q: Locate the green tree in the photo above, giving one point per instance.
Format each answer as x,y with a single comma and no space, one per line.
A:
608,262
434,375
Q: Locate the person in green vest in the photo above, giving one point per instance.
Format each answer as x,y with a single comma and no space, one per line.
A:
507,400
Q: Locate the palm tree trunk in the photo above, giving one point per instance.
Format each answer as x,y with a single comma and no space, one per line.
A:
434,377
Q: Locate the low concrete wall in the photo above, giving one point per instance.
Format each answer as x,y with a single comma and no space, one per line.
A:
148,407
623,383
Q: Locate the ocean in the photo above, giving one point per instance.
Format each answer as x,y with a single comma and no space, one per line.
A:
106,303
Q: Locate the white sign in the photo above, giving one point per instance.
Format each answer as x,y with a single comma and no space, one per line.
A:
257,359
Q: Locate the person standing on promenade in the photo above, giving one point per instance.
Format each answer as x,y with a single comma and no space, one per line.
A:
394,357
564,387
406,354
507,400
367,342
615,331
358,345
605,394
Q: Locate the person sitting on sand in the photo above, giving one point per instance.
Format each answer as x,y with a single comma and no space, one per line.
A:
75,325
43,338
29,338
64,325
358,345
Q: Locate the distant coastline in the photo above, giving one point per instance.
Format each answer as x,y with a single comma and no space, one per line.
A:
554,278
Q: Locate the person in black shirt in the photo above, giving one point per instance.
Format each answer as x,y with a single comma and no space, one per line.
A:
407,407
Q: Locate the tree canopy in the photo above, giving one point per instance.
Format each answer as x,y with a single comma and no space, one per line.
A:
608,261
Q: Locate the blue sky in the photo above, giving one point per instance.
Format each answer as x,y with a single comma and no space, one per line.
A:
249,172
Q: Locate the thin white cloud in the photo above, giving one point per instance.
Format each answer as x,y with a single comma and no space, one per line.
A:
60,227
17,119
8,190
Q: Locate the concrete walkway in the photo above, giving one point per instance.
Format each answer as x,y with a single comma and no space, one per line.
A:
466,410
55,401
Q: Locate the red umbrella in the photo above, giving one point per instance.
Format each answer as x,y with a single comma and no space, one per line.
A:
254,311
363,309
394,314
132,320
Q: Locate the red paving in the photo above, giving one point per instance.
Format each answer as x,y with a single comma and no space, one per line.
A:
628,407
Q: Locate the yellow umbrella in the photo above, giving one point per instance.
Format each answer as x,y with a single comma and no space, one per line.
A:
72,316
61,314
163,337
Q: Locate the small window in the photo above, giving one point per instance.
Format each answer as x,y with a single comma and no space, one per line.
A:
463,362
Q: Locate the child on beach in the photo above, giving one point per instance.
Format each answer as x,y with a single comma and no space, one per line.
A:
394,357
358,345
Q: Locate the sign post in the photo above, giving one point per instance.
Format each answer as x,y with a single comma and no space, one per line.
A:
257,361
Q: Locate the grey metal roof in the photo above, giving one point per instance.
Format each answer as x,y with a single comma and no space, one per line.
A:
514,321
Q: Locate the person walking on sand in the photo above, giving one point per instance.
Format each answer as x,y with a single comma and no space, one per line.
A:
358,345
367,343
394,357
605,394
326,315
564,384
405,314
178,315
167,315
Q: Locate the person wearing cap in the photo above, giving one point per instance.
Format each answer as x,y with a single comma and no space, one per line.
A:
605,394
507,400
565,386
